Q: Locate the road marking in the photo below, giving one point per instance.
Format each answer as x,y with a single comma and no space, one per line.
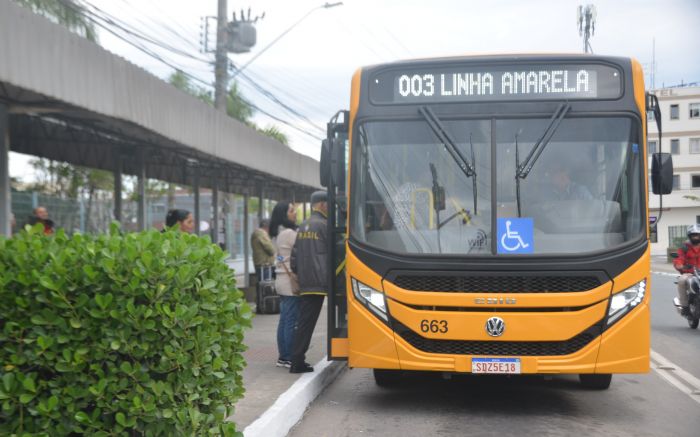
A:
676,376
666,274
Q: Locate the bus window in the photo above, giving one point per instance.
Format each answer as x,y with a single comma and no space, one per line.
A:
411,196
579,188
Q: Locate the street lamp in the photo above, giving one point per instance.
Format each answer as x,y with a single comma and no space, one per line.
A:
323,6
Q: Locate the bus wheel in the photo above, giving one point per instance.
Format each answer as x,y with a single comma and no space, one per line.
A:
386,377
595,381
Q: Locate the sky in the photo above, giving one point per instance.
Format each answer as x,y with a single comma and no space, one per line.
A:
310,68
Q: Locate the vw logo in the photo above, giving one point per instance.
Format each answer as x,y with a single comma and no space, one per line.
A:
495,326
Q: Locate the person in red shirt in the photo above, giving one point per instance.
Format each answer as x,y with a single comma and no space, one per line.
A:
688,258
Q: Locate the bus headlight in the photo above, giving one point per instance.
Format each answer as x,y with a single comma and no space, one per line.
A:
370,298
624,301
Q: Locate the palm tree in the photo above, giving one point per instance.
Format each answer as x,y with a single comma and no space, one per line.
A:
68,13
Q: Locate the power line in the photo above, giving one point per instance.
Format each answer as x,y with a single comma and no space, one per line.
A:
275,99
106,22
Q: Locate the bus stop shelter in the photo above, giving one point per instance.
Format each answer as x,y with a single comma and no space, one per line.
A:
65,98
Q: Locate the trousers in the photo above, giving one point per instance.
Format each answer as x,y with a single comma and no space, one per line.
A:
289,313
683,288
309,310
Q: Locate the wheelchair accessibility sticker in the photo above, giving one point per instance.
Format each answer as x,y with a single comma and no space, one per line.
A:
515,235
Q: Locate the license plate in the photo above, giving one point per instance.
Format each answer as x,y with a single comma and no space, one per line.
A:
496,365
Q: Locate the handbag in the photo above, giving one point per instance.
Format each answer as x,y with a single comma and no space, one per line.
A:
293,280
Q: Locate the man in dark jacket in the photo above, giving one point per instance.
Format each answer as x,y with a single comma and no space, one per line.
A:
309,261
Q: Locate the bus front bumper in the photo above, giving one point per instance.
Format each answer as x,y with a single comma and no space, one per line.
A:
622,348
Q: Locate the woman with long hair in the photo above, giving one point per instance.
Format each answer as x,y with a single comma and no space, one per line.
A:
283,233
180,219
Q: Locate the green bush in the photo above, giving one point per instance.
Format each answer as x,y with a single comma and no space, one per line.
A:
135,334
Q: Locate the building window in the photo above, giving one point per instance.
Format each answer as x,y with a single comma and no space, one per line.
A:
697,219
676,182
651,147
695,181
674,112
675,147
694,145
694,110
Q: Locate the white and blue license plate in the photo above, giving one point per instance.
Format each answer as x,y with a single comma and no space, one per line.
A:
496,365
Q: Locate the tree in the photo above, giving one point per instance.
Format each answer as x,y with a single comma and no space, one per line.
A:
274,132
180,81
237,107
68,13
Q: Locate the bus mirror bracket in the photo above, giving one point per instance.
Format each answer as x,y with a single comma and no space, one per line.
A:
324,166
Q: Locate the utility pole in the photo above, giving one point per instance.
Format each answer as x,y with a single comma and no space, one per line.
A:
586,25
221,66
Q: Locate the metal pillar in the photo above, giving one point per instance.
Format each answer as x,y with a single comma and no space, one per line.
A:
261,204
195,187
221,65
246,239
5,195
118,187
228,219
141,208
215,211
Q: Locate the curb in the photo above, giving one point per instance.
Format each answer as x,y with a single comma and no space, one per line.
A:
289,408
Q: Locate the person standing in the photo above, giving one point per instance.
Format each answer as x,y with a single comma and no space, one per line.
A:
180,219
310,262
41,215
283,232
263,249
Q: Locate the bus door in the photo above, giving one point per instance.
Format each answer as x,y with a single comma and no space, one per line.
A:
334,153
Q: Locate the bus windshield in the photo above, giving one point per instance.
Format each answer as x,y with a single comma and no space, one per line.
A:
410,195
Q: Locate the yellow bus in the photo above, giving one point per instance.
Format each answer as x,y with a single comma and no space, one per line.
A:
489,215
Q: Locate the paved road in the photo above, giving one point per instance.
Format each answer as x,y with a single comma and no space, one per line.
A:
635,405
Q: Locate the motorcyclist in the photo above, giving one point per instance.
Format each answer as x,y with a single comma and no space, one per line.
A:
688,258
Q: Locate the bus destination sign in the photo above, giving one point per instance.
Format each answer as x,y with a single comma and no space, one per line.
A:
481,84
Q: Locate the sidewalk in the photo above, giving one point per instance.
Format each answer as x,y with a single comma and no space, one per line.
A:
264,382
659,264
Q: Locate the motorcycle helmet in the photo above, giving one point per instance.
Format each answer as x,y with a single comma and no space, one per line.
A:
694,233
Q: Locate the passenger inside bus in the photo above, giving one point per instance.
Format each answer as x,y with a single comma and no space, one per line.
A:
561,187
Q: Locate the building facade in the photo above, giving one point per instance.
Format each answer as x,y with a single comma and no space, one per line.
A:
680,114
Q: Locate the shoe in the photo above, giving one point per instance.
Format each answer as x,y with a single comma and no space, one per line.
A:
685,311
283,363
301,368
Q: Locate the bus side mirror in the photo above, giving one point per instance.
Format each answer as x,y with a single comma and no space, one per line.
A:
325,164
662,173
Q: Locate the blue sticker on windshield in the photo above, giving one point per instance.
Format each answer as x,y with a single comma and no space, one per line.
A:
515,235
635,148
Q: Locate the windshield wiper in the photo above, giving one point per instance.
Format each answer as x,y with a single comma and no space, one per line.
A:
467,167
523,169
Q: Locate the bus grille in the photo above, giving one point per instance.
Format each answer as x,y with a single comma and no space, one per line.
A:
516,348
501,284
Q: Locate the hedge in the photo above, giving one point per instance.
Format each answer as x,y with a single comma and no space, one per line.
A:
133,334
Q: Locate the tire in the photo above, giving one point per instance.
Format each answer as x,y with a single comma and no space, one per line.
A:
694,316
595,381
387,378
